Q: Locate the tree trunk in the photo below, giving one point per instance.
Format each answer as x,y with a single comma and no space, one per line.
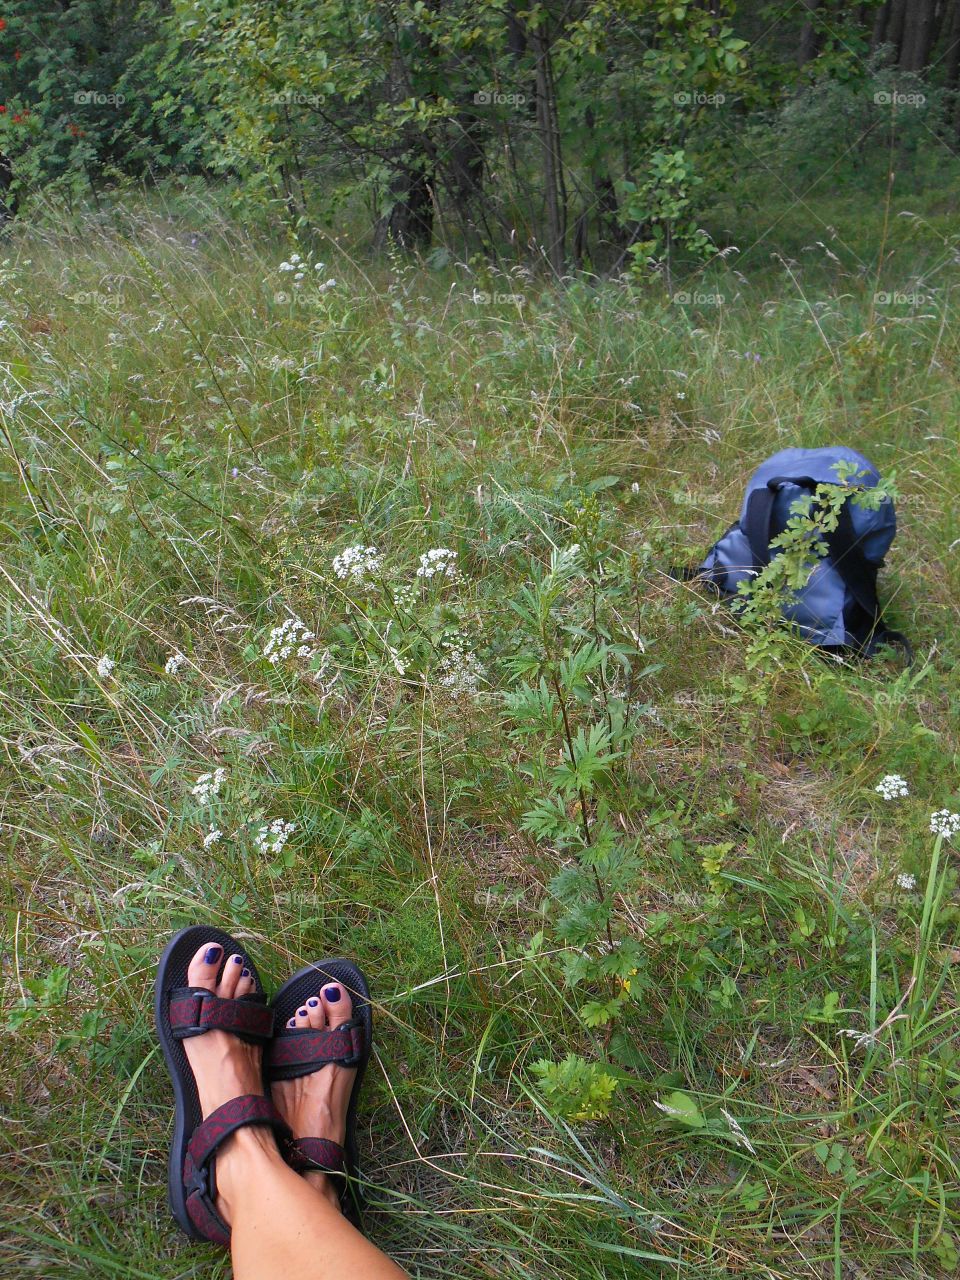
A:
880,23
918,34
7,208
951,46
410,221
895,24
810,35
550,148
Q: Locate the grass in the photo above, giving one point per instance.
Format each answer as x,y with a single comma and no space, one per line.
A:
184,454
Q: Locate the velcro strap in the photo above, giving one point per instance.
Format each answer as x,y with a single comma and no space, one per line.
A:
302,1154
199,1177
194,1010
249,1108
300,1051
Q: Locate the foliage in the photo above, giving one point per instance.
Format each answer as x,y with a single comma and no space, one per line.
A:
91,90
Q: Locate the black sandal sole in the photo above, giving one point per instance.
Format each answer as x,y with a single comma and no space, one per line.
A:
172,973
293,995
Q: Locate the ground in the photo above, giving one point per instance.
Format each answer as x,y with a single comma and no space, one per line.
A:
192,439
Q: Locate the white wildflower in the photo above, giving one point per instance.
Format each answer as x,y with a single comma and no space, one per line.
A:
105,667
398,664
438,561
207,786
892,786
738,1133
327,285
862,1039
272,837
325,676
906,881
212,836
944,823
285,266
174,663
404,596
289,638
460,671
668,1110
357,564
635,487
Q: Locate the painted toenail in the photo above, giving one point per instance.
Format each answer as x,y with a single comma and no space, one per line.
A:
313,1003
331,994
238,959
292,1022
244,973
213,954
301,1013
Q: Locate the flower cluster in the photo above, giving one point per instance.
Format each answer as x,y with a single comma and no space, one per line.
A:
272,837
906,881
174,663
291,637
892,786
207,786
438,561
944,823
211,838
297,265
357,564
460,671
105,667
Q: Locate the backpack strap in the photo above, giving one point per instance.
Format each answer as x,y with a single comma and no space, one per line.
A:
759,510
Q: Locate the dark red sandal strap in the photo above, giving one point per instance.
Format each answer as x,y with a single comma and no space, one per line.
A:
199,1175
194,1010
302,1050
302,1154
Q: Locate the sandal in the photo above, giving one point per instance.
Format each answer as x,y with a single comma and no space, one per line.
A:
180,1012
299,1051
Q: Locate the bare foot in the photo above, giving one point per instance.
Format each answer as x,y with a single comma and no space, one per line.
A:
315,1105
226,1067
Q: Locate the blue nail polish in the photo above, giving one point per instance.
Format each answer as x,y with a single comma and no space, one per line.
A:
244,973
292,1022
331,994
238,959
301,1013
213,954
313,1002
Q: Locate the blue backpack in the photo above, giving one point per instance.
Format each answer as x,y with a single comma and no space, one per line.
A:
838,608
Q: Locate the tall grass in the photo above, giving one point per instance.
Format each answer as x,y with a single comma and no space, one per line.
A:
188,441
